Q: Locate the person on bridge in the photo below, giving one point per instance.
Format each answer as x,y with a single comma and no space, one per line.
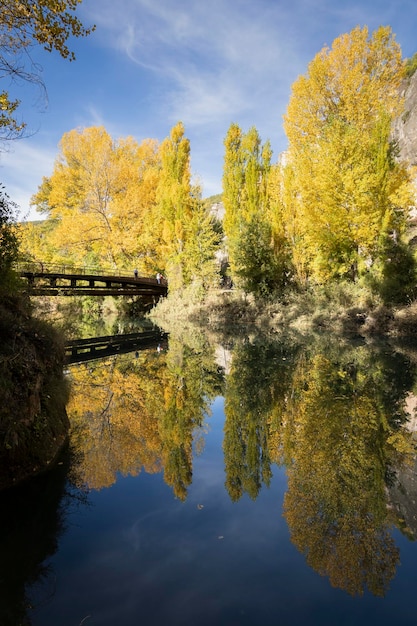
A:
136,273
158,278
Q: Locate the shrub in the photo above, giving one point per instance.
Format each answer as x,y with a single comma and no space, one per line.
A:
411,65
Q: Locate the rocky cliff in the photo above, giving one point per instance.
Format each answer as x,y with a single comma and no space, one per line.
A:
405,127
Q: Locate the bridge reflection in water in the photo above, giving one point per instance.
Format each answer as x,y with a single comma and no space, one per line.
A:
81,350
62,280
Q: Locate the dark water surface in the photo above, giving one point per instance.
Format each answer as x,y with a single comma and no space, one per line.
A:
258,484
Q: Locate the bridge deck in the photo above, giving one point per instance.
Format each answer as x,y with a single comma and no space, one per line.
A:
80,350
81,282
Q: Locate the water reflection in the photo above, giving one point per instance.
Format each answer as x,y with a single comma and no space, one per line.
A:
255,392
142,411
344,441
336,417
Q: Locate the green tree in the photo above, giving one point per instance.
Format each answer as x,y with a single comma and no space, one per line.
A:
8,243
203,240
348,187
247,222
174,203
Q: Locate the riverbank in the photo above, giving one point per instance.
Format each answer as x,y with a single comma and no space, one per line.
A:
343,310
33,393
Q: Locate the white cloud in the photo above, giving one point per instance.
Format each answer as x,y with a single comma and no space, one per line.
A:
216,56
22,170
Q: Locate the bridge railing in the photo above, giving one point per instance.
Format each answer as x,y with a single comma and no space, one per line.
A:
36,267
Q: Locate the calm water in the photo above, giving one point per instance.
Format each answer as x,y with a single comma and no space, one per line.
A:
253,484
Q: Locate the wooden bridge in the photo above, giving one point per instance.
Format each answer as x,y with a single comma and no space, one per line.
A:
62,280
81,350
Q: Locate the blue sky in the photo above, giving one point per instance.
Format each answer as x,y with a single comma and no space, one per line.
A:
152,63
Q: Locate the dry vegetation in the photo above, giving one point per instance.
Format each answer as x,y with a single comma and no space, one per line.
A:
341,309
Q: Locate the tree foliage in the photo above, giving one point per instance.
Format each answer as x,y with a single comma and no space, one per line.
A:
247,222
335,206
9,243
349,190
78,196
125,205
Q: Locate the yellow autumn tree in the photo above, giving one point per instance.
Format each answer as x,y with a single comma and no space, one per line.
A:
186,234
121,204
78,196
348,190
134,234
100,201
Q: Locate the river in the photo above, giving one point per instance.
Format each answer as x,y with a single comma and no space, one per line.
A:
254,482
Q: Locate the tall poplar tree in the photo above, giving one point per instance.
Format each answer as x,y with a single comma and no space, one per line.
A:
187,238
174,202
233,181
349,191
247,222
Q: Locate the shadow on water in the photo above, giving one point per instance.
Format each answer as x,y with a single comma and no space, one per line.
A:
31,523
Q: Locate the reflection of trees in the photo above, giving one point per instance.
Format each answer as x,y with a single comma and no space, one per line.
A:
342,434
189,382
334,416
111,430
129,413
256,387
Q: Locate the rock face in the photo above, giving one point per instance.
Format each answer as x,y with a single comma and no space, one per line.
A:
405,127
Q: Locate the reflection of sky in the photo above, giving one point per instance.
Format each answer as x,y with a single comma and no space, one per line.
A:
139,557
